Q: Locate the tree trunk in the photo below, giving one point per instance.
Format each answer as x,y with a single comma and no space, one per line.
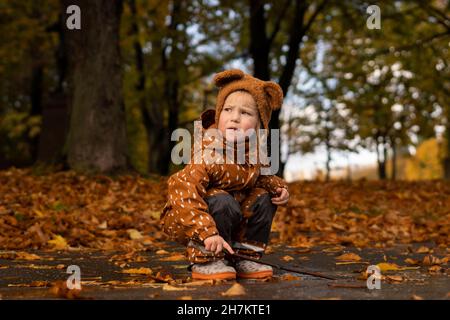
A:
381,160
394,160
55,114
36,89
259,43
349,169
260,46
160,145
97,134
328,168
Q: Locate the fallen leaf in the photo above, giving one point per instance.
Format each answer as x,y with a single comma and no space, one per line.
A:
199,283
394,278
161,251
385,266
348,257
167,278
138,271
434,269
39,284
423,249
134,234
22,255
412,261
103,225
334,249
416,297
59,289
32,284
39,213
153,214
289,277
168,287
235,290
185,298
287,258
430,260
58,242
175,257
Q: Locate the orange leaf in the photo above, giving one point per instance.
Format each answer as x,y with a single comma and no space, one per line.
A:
348,257
287,258
138,271
235,290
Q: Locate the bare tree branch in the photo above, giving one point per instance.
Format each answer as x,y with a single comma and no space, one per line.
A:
278,22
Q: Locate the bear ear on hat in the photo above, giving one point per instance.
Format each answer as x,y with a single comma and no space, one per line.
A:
224,77
274,94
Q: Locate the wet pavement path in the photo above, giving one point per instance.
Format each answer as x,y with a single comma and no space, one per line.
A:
102,276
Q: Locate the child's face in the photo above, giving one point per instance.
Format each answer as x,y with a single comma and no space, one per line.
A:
239,113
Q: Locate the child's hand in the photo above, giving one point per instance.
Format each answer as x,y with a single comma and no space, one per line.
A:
216,244
283,197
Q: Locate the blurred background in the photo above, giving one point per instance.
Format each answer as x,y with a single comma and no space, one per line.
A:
367,90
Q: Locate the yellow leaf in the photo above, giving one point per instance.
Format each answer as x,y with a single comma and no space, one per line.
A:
138,271
200,283
154,214
38,213
235,290
134,234
348,257
287,258
385,266
58,242
168,287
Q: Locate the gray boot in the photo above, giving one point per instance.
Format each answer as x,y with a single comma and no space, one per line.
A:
216,270
251,270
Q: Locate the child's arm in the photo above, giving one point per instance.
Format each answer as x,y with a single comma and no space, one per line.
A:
271,183
186,192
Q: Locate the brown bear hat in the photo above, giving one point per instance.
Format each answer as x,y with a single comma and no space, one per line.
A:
267,94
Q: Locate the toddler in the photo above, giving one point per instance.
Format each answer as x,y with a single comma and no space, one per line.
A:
215,207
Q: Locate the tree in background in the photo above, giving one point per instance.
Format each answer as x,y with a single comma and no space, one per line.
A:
170,47
26,69
377,75
97,133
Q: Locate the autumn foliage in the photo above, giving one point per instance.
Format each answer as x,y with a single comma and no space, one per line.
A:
66,210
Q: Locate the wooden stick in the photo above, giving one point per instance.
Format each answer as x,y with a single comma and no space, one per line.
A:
315,274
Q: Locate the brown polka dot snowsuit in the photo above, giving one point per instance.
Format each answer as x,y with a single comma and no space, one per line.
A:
186,214
204,198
